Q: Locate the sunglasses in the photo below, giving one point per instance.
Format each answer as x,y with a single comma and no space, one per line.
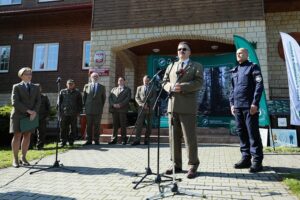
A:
182,49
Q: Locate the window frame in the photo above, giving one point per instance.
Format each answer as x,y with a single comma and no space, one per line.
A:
46,69
5,46
84,54
46,1
11,4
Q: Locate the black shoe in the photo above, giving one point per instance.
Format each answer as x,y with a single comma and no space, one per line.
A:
96,143
243,163
87,143
192,173
114,141
256,167
135,143
170,170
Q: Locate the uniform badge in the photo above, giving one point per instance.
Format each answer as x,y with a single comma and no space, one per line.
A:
258,78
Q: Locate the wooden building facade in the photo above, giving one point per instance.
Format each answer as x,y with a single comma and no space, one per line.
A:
127,32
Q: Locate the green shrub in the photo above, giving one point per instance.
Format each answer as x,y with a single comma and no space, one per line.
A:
5,111
52,114
5,137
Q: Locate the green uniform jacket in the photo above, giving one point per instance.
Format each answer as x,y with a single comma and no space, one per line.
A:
69,102
191,82
21,101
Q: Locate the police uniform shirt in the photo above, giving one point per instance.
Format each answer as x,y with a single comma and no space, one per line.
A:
247,85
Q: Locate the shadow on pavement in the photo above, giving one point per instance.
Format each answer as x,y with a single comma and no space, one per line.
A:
85,170
262,176
285,170
30,195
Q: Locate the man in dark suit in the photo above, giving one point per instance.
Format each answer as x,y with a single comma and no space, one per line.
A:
94,97
140,97
183,79
118,105
26,100
70,106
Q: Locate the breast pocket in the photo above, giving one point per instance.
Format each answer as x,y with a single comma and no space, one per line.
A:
245,78
188,76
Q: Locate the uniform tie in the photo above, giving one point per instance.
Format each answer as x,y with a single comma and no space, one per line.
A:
94,89
182,65
119,90
146,89
28,87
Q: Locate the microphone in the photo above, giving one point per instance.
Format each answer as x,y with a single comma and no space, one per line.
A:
174,59
58,80
155,76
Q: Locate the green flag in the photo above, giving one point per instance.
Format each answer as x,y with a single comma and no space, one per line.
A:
240,42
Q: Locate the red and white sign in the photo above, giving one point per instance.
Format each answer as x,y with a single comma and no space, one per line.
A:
102,72
99,58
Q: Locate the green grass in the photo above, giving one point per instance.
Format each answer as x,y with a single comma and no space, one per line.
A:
293,182
32,154
282,149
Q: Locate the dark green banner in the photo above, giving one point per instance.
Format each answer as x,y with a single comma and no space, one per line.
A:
213,98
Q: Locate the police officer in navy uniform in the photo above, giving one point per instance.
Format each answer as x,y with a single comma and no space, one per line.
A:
247,88
70,106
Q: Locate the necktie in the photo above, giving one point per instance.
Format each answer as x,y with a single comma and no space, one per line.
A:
182,65
28,87
94,89
146,89
119,90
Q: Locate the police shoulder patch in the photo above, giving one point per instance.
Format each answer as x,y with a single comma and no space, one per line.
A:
258,78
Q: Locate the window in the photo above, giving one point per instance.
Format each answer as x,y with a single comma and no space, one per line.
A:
9,2
47,0
4,58
45,57
86,54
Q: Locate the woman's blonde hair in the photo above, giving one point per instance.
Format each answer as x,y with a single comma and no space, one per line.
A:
24,69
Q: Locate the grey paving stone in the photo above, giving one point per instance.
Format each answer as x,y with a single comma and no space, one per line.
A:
107,172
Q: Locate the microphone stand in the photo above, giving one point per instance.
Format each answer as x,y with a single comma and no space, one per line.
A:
143,106
156,104
56,162
148,169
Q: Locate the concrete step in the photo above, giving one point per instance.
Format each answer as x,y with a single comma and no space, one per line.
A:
204,135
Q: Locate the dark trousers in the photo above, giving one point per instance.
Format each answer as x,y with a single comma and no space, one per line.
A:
65,124
41,132
248,131
145,117
93,127
119,121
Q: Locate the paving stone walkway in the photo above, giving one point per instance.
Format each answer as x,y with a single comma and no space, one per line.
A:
107,172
